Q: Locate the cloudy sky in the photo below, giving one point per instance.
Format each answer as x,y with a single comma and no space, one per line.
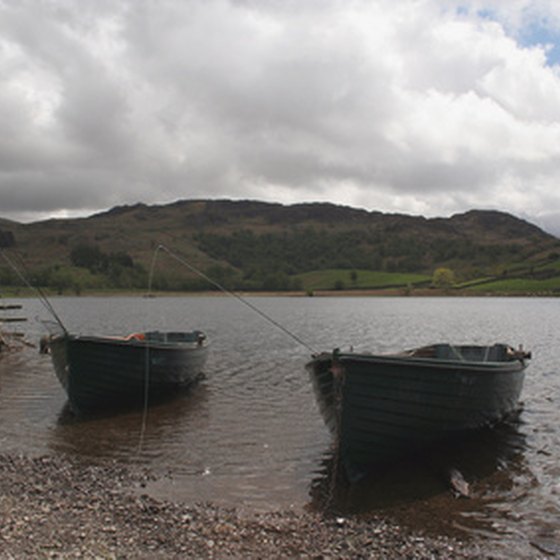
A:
425,107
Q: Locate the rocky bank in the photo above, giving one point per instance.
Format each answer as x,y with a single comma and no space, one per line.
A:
56,508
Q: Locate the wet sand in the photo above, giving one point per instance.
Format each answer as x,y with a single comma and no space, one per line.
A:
55,508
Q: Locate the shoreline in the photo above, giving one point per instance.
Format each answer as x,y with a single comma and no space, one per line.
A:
25,293
51,507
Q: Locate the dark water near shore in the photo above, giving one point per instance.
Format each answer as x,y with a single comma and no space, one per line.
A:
250,435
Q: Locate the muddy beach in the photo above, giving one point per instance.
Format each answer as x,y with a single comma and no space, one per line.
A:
54,508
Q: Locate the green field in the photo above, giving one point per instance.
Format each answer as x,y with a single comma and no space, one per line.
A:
341,279
527,285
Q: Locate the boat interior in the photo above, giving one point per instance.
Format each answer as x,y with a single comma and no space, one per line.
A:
468,353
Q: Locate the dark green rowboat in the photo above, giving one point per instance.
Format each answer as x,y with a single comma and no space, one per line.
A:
106,372
381,407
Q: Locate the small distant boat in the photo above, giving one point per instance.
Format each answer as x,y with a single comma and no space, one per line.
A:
102,372
381,407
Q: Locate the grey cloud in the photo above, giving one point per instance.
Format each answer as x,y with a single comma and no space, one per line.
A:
118,102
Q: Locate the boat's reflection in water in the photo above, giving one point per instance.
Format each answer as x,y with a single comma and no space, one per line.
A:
418,490
131,434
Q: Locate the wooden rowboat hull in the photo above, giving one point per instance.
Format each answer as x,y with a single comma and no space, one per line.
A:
382,407
102,372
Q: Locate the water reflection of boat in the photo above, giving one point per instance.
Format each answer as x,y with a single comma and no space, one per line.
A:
107,372
493,459
170,424
380,407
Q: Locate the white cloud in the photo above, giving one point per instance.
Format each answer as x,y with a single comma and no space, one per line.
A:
397,106
513,14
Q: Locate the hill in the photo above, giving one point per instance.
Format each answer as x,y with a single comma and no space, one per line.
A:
257,245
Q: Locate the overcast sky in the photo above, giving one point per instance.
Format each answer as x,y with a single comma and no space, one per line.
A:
425,107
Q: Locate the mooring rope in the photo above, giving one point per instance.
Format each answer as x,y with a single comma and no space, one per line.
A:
217,285
42,297
144,423
254,308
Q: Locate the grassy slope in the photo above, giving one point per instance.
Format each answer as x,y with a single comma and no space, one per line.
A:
365,279
527,285
138,230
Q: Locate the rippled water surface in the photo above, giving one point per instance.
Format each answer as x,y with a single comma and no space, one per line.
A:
250,434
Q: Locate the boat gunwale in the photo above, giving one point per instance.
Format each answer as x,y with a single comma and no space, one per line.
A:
421,362
132,343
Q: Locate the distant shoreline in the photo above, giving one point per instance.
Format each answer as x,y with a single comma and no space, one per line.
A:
369,292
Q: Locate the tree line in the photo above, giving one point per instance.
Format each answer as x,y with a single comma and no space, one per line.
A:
307,249
269,261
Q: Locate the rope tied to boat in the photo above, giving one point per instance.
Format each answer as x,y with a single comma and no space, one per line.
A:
217,285
42,297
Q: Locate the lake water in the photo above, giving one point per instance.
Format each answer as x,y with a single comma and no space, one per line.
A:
250,434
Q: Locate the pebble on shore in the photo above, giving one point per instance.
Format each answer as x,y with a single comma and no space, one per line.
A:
51,507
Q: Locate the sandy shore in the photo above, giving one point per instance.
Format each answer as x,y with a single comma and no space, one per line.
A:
54,508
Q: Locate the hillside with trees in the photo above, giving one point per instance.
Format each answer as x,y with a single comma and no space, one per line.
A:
248,245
